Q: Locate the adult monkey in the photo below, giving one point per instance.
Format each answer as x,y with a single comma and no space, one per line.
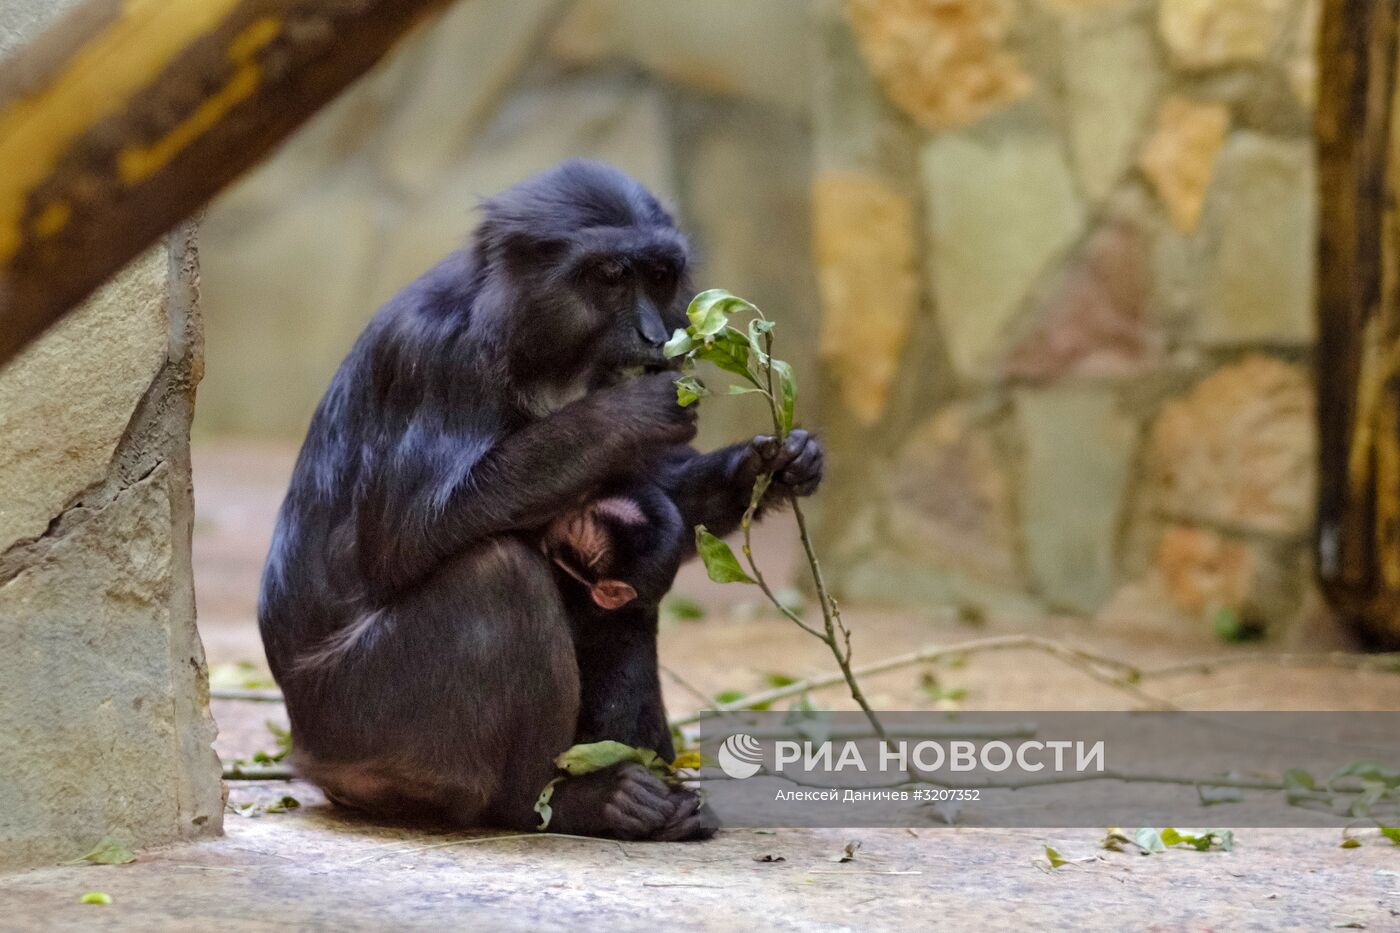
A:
433,659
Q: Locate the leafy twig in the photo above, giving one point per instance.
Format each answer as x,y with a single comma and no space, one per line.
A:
710,337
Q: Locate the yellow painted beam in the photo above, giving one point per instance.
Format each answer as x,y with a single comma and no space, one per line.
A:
130,114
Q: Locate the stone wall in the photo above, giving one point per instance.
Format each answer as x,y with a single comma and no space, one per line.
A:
1079,379
1043,266
104,725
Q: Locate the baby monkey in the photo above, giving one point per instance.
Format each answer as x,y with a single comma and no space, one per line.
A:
622,549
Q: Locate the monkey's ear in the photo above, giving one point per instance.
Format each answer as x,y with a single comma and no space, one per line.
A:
613,594
502,242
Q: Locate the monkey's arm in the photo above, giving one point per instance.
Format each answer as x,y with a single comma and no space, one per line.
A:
407,524
714,489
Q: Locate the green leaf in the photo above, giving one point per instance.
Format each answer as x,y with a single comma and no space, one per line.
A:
1392,833
283,804
1115,839
1368,771
95,897
1227,625
757,328
690,760
689,390
679,345
1054,857
745,390
1149,840
1298,779
595,756
542,806
789,393
1350,842
109,852
682,607
729,696
709,311
720,562
729,351
774,679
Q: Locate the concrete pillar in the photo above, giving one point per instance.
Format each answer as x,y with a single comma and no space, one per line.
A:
104,716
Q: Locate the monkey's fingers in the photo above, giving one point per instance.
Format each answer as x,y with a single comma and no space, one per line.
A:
692,820
639,805
806,470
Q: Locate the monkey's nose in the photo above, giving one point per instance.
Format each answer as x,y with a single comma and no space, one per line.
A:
649,325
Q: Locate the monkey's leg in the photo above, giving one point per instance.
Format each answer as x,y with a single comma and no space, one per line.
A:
620,699
505,703
620,691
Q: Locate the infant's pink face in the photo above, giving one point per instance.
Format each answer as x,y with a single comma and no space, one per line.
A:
580,544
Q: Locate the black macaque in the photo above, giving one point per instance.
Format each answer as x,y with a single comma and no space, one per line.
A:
434,657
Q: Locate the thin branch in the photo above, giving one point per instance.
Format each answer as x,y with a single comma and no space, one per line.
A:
837,637
1381,663
685,684
1094,666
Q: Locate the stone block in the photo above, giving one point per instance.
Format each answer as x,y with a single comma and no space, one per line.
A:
93,656
1238,451
1263,218
951,498
1092,322
1179,157
945,63
69,397
999,214
1110,83
865,242
1210,33
1078,453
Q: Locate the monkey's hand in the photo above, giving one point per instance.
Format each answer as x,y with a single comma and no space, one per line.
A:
646,408
796,464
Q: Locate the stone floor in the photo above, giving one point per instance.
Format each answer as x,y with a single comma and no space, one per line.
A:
312,868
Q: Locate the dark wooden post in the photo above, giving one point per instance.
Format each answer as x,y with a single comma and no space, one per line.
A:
1358,317
127,116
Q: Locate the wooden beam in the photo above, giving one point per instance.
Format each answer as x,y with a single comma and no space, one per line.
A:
1357,546
129,115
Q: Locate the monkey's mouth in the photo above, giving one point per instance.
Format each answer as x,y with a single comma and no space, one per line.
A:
637,370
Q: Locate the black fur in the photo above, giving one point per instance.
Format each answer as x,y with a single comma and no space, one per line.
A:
431,660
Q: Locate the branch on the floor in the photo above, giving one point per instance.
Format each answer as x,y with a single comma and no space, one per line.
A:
1108,671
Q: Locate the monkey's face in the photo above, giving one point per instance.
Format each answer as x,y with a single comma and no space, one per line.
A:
587,275
627,285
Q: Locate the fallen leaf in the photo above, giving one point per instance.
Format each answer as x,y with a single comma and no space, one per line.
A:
109,852
95,897
848,854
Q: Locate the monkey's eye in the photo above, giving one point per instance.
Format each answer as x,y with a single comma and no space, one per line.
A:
661,273
610,271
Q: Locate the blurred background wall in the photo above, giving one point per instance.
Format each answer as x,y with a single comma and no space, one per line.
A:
1044,267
